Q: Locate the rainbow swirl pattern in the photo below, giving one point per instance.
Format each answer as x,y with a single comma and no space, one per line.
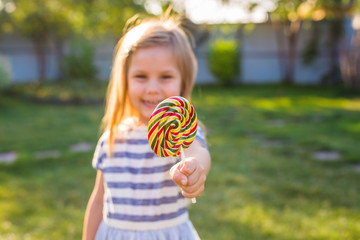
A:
172,125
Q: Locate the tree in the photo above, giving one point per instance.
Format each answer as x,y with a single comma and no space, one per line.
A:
35,27
343,53
287,19
43,23
350,59
6,24
338,13
51,22
106,18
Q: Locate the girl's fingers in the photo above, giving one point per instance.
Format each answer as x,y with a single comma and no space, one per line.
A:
195,194
189,166
190,177
195,176
192,189
178,177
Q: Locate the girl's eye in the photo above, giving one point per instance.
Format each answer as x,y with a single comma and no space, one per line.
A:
166,77
140,76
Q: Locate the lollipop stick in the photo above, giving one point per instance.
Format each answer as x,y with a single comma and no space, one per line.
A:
182,154
193,200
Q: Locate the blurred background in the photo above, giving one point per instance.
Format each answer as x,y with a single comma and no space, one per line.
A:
278,89
305,42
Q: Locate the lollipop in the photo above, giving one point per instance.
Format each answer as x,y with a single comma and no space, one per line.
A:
172,127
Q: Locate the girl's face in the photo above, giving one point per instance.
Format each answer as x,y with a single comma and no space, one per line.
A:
153,76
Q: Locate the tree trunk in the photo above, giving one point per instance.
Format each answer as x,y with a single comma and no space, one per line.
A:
59,53
350,60
333,76
349,54
280,51
292,33
40,52
354,61
287,61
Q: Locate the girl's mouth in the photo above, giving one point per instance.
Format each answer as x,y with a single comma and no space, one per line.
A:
150,103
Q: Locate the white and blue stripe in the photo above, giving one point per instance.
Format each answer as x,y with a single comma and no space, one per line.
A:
139,193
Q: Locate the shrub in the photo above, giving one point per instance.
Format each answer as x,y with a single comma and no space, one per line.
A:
5,72
224,59
78,65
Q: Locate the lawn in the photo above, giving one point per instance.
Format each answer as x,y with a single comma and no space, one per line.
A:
265,182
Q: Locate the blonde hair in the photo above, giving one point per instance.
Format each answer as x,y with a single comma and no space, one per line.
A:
150,32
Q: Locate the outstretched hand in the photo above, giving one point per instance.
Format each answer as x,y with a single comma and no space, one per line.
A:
190,176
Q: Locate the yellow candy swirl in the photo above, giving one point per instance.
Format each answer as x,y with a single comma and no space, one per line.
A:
172,125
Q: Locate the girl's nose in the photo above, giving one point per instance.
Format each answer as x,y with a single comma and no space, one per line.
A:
152,86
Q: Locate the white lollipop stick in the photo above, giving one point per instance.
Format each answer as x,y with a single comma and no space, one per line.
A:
193,200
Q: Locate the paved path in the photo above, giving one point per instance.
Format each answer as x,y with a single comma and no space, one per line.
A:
10,157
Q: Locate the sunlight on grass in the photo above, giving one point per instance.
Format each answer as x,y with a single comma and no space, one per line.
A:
338,103
324,222
354,127
285,103
255,190
273,104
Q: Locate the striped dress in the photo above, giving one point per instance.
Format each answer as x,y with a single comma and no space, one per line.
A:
140,196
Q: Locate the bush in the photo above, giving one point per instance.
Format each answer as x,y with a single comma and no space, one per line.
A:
224,59
78,65
5,72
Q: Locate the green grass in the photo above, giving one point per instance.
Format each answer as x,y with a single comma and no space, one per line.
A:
253,191
68,92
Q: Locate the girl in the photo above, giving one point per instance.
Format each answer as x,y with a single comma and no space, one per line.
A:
138,195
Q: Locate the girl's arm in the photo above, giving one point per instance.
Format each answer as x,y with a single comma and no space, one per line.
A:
191,174
94,209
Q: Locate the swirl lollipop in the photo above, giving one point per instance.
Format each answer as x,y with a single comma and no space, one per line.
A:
172,128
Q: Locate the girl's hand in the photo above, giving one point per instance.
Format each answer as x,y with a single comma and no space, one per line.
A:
190,176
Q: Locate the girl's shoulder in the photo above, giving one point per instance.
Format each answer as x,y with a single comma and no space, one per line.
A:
128,129
102,141
124,130
131,124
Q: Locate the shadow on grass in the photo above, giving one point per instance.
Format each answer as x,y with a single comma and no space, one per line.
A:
253,191
46,197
